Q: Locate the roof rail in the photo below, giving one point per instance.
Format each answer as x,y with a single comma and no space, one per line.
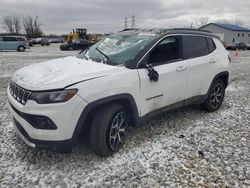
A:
129,29
191,29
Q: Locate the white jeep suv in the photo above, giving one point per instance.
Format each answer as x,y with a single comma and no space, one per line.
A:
123,80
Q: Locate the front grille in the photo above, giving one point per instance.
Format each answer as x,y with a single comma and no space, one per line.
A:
21,95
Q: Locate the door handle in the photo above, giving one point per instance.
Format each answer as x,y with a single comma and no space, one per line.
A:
212,61
181,68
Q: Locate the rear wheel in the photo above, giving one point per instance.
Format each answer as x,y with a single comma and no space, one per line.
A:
21,49
108,130
215,96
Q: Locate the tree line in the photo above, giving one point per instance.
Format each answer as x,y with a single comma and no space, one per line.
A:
31,26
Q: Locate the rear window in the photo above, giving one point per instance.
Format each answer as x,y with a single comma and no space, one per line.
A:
10,39
211,45
196,46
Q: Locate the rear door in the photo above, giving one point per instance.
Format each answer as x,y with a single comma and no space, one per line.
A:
1,43
167,60
201,60
10,43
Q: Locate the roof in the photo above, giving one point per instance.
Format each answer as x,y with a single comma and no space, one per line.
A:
231,27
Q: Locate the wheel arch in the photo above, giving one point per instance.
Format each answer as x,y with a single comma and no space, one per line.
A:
85,119
20,45
224,76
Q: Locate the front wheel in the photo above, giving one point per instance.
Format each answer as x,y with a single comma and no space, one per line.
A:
108,129
215,96
21,49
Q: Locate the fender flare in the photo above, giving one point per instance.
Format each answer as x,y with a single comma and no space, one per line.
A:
81,123
225,73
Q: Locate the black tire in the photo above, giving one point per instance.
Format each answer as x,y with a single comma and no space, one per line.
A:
105,134
21,49
215,96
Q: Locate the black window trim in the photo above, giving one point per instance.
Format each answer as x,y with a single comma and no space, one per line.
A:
171,61
144,59
215,47
186,54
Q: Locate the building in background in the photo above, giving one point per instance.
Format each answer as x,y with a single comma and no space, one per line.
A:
230,34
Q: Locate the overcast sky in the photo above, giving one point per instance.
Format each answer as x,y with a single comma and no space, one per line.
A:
100,16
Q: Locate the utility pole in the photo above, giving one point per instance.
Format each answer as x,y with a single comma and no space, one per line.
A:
133,21
126,23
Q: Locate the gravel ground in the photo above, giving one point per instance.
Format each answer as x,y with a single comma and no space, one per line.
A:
183,148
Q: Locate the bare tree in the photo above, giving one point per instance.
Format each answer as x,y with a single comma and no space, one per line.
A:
32,26
12,24
16,24
202,21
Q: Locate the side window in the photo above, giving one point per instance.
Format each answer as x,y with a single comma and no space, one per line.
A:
20,39
168,50
211,45
196,46
9,39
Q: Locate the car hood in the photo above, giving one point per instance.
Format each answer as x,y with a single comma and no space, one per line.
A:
59,73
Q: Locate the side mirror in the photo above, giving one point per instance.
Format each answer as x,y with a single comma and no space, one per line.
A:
152,73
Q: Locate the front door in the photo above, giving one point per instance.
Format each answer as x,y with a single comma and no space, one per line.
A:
167,60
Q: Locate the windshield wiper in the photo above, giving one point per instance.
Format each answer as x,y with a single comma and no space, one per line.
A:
104,56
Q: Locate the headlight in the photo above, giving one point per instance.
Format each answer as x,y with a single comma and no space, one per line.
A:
53,97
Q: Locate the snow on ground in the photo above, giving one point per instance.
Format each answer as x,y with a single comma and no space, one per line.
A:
184,148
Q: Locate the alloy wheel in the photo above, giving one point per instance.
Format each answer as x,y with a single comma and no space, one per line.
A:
117,134
217,95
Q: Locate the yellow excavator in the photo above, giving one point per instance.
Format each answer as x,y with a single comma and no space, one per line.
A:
80,33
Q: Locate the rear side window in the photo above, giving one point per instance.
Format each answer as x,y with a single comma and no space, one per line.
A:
196,46
8,39
210,44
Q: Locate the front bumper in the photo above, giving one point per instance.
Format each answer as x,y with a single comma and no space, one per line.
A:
64,115
59,146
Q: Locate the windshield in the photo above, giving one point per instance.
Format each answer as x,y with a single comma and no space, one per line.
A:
120,48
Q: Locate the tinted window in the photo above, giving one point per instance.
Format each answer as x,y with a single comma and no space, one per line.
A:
211,45
20,39
9,39
196,46
167,51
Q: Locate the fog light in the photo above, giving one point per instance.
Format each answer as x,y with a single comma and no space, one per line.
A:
36,121
41,122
